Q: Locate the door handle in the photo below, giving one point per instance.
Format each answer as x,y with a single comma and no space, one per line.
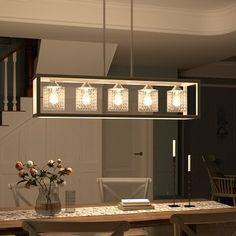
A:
138,153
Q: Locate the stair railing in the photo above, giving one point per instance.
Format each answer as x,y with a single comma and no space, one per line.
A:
14,101
5,101
6,60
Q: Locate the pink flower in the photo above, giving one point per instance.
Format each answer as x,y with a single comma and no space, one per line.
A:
31,174
68,171
22,173
19,165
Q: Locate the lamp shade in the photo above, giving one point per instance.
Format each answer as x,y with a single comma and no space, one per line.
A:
53,98
118,99
148,99
177,100
86,98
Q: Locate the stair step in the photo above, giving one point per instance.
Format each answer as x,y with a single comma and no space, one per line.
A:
13,118
26,104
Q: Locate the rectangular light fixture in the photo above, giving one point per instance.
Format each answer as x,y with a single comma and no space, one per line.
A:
115,97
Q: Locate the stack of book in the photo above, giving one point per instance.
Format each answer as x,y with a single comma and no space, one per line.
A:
135,204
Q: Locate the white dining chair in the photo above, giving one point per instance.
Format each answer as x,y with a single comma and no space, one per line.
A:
17,194
112,189
184,222
222,186
36,227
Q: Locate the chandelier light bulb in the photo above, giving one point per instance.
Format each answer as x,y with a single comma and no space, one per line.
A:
147,100
176,100
118,99
86,99
53,97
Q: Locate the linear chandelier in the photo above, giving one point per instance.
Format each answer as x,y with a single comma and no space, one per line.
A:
119,98
65,96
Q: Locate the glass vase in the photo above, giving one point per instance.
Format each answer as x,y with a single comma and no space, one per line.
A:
48,201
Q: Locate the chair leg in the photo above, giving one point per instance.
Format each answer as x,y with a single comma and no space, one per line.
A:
218,199
177,230
214,198
234,201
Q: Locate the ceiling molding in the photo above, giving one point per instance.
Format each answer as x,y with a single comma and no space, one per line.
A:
150,19
147,5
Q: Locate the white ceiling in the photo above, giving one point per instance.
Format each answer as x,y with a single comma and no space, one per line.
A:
162,38
175,51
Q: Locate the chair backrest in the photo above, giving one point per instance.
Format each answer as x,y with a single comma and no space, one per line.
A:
135,188
213,171
212,166
35,227
17,195
181,222
224,186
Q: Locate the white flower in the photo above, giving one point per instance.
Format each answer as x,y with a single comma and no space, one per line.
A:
29,164
53,172
51,163
33,172
62,183
59,165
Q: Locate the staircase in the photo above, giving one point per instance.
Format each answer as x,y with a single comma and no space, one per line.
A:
12,120
15,110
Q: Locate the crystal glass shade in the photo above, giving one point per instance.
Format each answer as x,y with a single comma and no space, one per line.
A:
53,98
86,98
148,99
118,99
177,100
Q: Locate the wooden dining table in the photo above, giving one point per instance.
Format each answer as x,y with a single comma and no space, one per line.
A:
141,218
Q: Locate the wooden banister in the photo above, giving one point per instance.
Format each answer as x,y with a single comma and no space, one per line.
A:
31,51
5,58
30,65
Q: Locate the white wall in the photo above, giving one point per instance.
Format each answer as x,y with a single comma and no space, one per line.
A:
76,142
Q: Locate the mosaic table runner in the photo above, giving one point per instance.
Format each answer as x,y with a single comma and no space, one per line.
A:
109,210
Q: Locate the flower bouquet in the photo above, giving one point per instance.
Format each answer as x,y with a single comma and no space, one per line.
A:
47,179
